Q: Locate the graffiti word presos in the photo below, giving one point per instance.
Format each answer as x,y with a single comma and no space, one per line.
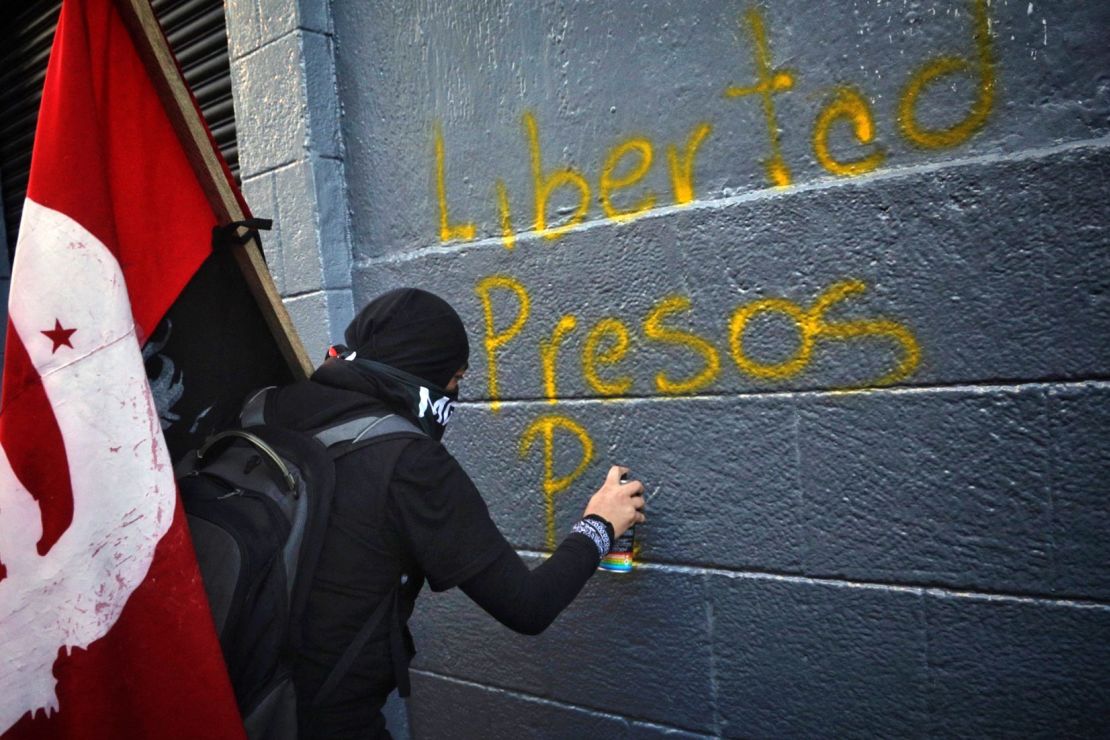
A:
607,341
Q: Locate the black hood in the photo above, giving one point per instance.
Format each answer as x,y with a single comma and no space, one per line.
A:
413,331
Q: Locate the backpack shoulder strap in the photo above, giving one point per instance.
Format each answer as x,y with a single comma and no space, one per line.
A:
340,439
354,431
354,649
365,428
254,410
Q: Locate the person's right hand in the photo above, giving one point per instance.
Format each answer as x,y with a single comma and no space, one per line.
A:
618,503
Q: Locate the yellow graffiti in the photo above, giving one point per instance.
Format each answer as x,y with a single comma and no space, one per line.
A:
638,152
617,333
771,81
549,352
911,352
682,169
544,185
634,157
609,342
983,67
447,231
508,238
494,340
787,368
654,329
811,326
848,104
608,182
545,426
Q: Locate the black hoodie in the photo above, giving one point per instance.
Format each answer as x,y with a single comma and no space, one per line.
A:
404,512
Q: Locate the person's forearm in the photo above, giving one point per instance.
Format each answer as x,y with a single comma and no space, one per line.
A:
528,601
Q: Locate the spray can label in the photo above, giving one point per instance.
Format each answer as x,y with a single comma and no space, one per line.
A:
619,558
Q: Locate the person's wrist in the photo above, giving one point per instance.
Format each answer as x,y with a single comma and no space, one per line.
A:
605,523
599,531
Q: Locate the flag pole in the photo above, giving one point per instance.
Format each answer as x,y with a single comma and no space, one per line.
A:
150,43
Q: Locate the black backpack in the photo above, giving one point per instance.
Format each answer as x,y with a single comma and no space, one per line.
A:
257,501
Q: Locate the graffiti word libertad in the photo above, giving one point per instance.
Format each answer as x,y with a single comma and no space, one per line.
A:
633,158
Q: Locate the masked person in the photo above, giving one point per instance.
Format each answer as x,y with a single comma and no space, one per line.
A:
405,512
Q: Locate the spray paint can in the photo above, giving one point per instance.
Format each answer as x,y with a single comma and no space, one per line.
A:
619,558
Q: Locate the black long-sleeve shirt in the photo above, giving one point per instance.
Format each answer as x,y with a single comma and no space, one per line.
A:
405,512
527,601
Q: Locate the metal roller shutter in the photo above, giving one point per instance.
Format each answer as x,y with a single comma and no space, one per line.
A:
197,32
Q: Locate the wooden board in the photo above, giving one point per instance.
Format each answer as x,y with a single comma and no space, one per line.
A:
229,331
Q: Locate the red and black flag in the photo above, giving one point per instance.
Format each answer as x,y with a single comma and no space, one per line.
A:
104,626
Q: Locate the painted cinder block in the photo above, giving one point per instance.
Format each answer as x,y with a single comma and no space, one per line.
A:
645,731
445,708
307,249
318,51
243,30
282,17
721,475
299,212
945,486
331,201
982,299
260,192
272,128
1017,668
599,75
1080,481
793,658
998,489
340,312
442,707
635,645
319,318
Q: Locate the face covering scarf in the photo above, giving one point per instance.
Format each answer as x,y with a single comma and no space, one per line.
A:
431,405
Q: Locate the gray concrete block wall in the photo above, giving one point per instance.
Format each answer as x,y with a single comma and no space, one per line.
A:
994,489
1016,667
291,157
1003,297
866,371
511,715
594,75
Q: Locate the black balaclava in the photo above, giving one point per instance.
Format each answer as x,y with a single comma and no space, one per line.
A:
404,347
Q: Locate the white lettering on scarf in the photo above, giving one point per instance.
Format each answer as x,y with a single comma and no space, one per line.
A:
441,408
